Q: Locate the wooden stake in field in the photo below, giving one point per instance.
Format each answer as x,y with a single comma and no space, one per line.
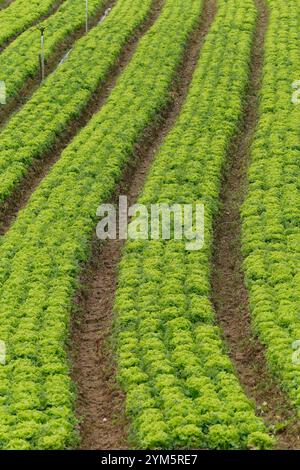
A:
42,55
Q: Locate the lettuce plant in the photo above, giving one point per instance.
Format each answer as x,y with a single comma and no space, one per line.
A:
19,60
65,93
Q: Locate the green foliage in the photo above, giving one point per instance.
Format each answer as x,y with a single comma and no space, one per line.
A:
20,14
42,252
19,61
181,388
259,441
271,212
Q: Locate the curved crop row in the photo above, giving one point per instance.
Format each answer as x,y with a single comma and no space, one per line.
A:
20,14
19,60
64,94
40,256
271,212
180,384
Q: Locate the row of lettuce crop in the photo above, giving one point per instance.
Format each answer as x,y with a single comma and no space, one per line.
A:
19,60
180,385
64,94
271,212
42,252
20,14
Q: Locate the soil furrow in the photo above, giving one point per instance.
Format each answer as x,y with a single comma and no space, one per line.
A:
53,9
229,293
100,402
33,83
41,167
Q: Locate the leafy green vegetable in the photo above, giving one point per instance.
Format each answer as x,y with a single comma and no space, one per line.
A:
20,15
19,60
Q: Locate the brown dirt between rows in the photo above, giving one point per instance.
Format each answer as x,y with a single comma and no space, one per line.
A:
33,83
5,4
100,403
40,167
229,294
53,9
